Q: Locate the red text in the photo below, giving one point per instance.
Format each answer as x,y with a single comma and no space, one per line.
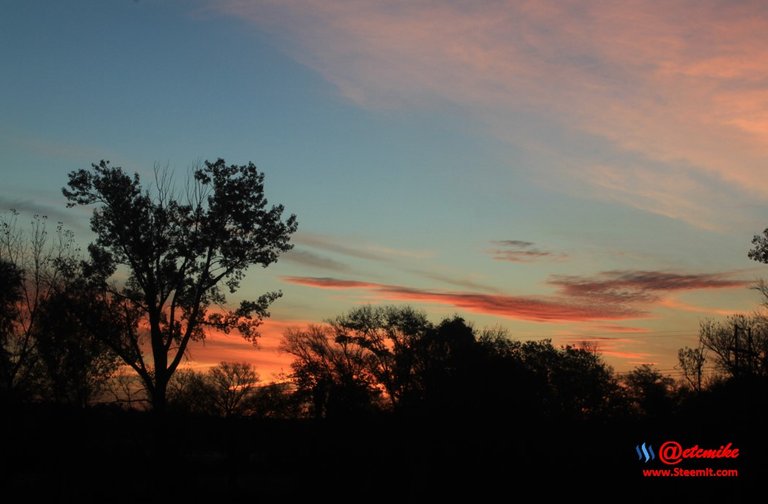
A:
672,452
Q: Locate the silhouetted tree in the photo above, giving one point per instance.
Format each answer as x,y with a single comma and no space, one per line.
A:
191,391
232,384
575,383
691,362
10,293
738,345
40,275
178,252
507,387
539,381
650,391
76,363
757,344
126,389
10,298
389,341
759,251
333,375
446,368
29,268
275,400
230,389
387,352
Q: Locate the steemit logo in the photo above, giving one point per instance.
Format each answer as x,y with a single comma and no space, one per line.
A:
645,451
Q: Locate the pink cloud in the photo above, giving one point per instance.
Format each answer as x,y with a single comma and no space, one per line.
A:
612,295
632,356
516,307
676,304
618,348
329,283
622,329
265,355
552,309
676,89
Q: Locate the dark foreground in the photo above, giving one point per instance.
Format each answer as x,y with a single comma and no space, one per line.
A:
109,455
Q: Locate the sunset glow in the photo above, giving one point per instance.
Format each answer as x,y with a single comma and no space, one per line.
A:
579,171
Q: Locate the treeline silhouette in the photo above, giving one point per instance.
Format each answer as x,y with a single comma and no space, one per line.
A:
380,401
446,409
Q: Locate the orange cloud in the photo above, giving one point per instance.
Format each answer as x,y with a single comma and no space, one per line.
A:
622,329
676,304
517,307
612,295
632,356
265,355
329,283
619,348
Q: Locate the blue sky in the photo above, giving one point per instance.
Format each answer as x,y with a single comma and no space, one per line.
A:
565,170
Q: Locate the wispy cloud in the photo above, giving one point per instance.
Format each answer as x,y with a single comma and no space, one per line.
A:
347,247
520,251
650,89
307,258
622,329
619,348
612,295
539,309
639,286
37,208
514,243
51,148
534,308
455,281
332,244
329,283
676,304
394,253
268,360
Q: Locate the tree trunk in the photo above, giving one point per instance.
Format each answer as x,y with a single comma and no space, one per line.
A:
159,397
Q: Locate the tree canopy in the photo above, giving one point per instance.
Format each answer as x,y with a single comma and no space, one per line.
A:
178,249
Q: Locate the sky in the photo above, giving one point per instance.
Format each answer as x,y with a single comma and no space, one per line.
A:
580,171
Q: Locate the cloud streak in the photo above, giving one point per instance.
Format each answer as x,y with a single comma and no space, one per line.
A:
329,283
307,258
265,356
29,207
368,252
520,251
619,348
652,91
538,309
622,329
639,286
456,282
612,295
